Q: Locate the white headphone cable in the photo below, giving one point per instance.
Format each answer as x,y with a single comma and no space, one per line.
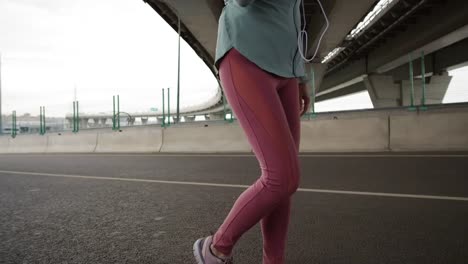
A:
303,33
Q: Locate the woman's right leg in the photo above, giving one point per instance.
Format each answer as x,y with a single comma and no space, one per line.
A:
253,96
275,225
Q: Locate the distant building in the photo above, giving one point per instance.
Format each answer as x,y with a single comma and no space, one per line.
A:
27,124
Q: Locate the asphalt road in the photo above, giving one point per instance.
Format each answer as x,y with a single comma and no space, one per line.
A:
360,208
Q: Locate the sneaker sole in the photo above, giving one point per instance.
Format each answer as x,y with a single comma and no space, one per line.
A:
197,251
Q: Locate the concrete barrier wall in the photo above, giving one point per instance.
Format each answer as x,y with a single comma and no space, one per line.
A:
429,132
213,138
366,134
411,132
83,142
147,140
4,142
28,144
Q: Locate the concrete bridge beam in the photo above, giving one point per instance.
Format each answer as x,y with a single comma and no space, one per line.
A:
189,118
383,90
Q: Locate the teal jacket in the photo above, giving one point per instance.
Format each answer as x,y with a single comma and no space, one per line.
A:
265,32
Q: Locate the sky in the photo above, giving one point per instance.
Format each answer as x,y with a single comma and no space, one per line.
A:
101,48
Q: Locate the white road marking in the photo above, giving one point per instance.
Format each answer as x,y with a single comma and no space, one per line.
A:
221,155
395,195
398,195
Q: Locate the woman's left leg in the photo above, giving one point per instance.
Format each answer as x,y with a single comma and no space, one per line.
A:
254,97
275,225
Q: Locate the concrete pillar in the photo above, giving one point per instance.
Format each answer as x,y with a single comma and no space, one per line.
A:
96,122
436,87
103,121
383,91
144,120
207,117
131,121
70,122
84,123
176,120
217,116
160,119
189,118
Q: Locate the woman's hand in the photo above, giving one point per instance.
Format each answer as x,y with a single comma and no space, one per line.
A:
304,98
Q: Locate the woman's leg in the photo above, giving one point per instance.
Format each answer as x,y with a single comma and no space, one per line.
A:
253,96
275,225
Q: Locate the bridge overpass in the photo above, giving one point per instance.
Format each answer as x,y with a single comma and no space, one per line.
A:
367,46
211,109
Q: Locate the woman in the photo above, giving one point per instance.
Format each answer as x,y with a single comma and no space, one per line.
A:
262,75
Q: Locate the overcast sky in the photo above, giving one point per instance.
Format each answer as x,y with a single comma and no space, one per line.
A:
108,47
103,47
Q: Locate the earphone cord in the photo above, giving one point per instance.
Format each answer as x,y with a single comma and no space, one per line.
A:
303,33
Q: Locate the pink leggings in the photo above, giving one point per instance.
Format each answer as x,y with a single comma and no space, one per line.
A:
267,108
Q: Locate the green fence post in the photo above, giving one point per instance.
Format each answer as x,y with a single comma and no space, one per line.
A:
224,106
73,119
77,116
40,123
13,124
312,106
423,77
168,107
40,120
118,112
163,124
43,121
411,108
113,112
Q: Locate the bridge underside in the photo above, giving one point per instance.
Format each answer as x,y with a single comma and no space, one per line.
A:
375,59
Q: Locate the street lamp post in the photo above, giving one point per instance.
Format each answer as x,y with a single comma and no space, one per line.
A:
178,76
